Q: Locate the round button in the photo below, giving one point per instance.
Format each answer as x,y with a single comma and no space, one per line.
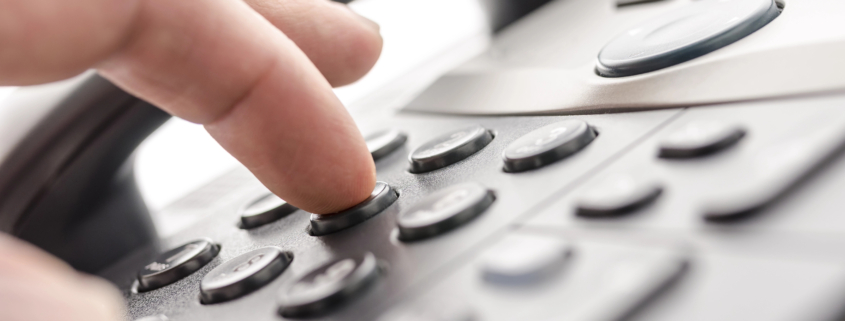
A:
699,139
381,198
524,260
328,286
243,274
443,211
263,210
176,264
618,195
690,32
385,142
547,145
449,149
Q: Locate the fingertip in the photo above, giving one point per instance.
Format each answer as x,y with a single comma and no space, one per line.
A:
362,46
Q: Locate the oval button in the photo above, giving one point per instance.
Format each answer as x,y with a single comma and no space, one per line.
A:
700,138
688,33
547,145
617,195
381,198
176,264
524,260
265,209
328,286
241,275
449,149
443,211
385,142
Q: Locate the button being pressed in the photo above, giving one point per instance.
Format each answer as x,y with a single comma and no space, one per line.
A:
243,274
547,145
617,195
695,30
176,264
699,139
381,198
443,211
524,260
328,286
449,149
385,142
265,209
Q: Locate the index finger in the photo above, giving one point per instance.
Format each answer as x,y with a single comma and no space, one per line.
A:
218,63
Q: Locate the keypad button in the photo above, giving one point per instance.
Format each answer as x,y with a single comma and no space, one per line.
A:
385,142
690,32
265,209
443,211
449,149
627,283
243,274
524,260
547,145
328,286
381,198
176,264
617,195
772,171
700,138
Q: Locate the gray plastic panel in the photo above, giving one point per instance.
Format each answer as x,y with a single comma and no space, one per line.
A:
793,244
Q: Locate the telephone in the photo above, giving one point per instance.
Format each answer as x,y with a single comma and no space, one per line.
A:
602,160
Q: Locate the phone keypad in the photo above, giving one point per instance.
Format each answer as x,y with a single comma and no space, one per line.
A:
176,264
381,198
547,145
243,274
265,209
328,286
450,148
443,211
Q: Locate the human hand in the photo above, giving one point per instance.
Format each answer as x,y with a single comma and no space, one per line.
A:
257,74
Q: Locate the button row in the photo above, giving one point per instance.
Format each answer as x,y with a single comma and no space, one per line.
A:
622,194
534,150
314,293
618,283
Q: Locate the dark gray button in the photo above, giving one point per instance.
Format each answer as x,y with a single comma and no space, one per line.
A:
444,210
385,142
690,32
449,149
617,195
700,138
524,260
175,264
379,200
243,274
547,145
265,209
328,286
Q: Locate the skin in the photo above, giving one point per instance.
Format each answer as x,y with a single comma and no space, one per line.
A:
257,74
